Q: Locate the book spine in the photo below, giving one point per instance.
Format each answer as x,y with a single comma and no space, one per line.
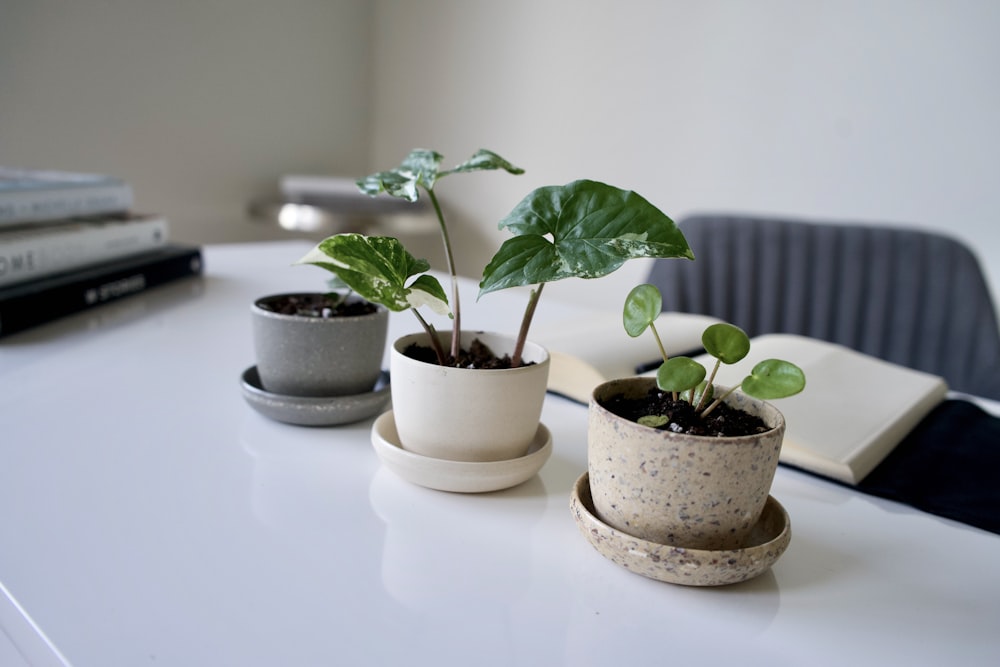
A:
30,255
22,309
43,204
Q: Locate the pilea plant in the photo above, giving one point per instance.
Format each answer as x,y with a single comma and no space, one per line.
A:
584,229
685,378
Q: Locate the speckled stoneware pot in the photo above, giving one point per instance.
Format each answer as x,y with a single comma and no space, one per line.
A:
300,355
462,414
671,488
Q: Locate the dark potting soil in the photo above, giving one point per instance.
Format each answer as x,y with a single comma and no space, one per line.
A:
317,305
479,356
723,421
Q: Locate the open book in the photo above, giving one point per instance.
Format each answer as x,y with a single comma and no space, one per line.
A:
593,349
854,410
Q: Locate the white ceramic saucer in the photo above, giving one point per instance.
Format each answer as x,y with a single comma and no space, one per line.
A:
691,567
458,476
314,411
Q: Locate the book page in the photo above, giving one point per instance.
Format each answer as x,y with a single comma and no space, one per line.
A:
594,348
854,410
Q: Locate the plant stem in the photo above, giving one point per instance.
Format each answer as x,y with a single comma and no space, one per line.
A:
716,402
435,340
659,343
456,326
663,351
522,334
711,379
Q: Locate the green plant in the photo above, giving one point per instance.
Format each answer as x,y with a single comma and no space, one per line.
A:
769,379
422,169
584,229
379,269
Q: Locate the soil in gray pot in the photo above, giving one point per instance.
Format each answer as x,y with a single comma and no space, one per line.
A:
316,305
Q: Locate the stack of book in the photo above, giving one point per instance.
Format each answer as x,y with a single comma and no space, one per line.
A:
71,241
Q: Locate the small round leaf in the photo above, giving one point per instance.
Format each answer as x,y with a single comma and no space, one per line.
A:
653,421
774,378
642,306
679,374
703,389
726,342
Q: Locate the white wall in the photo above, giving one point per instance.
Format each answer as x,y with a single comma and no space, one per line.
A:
867,110
870,110
202,104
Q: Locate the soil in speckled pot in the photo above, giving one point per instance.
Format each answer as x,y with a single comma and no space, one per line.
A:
723,421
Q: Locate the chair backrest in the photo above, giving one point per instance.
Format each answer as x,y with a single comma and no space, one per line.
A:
909,296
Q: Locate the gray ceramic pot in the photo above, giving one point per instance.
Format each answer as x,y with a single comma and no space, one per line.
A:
302,355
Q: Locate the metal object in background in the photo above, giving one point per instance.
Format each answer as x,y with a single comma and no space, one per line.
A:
329,205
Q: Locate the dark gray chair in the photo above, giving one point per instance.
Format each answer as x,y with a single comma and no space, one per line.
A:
912,297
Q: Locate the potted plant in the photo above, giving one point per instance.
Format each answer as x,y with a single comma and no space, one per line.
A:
490,411
675,460
318,344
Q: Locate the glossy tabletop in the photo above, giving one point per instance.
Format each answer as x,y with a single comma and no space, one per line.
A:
149,516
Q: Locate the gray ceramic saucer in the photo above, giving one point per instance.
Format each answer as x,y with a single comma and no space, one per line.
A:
315,411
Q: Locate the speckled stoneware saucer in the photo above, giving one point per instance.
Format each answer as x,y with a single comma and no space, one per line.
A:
314,411
457,476
675,565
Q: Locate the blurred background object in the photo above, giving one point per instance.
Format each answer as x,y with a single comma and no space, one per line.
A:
909,296
323,205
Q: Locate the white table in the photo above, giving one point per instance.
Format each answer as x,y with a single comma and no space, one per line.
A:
149,516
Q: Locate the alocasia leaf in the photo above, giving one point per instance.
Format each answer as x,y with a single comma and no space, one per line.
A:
394,183
427,291
585,229
422,169
378,268
484,160
419,168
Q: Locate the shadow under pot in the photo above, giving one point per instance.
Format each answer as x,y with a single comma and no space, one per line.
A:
693,491
307,345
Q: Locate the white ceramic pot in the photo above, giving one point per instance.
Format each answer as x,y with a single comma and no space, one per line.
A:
463,414
299,355
697,492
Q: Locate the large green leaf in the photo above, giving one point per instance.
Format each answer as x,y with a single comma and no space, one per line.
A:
584,229
378,268
642,306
